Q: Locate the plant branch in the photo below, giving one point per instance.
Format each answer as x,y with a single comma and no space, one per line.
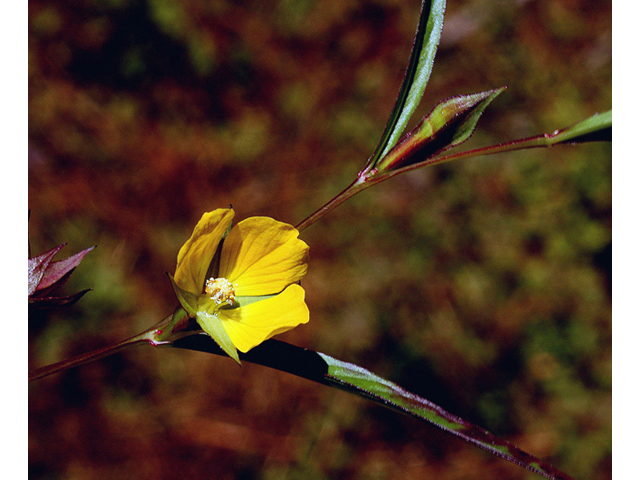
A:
355,187
370,178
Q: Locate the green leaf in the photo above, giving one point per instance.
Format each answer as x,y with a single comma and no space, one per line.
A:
597,128
415,79
450,123
326,370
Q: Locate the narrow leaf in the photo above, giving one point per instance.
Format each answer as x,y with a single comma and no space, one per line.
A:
326,370
359,381
449,124
416,77
597,128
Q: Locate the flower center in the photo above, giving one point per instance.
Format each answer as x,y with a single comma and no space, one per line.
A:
221,291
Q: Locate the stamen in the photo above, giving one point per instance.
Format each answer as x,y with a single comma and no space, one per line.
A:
221,291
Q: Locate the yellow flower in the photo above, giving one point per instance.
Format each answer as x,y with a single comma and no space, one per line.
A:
242,290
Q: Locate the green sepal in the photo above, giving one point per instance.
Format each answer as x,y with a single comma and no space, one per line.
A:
244,301
188,300
449,124
212,325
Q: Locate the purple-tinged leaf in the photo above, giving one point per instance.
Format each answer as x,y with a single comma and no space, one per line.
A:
46,275
326,370
52,302
449,124
359,381
38,265
60,270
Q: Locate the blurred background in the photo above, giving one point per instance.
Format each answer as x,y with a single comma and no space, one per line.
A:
483,285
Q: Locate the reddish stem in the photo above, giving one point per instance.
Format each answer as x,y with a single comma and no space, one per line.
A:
355,187
164,332
369,178
85,358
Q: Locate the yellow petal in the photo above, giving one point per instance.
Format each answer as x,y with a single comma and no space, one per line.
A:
262,256
196,254
252,324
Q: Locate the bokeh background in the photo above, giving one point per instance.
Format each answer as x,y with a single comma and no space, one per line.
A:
483,285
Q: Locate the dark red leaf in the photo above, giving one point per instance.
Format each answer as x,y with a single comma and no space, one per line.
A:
58,271
38,266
